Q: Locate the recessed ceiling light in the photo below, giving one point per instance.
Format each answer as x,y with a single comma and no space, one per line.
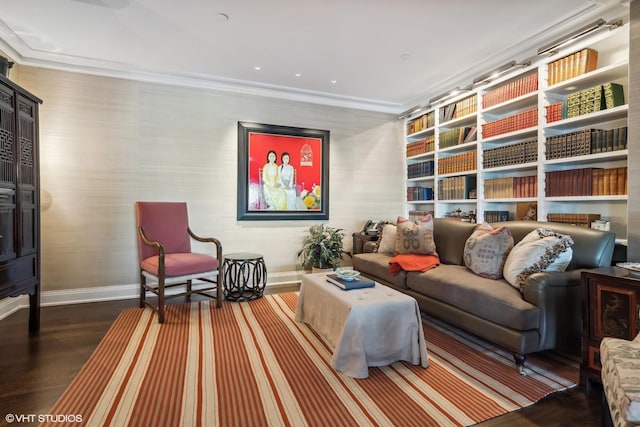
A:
257,68
298,74
405,56
222,17
334,81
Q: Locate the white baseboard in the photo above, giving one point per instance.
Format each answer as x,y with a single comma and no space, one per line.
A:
9,306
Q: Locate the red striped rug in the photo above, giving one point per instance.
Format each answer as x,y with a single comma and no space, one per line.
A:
251,364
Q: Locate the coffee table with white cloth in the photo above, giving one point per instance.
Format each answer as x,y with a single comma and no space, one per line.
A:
363,327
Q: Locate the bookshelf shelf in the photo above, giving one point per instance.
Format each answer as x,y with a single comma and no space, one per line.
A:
612,72
469,119
597,117
533,159
421,178
532,166
424,156
592,199
524,101
590,158
461,147
421,134
511,136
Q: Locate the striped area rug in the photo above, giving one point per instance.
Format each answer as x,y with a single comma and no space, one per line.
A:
251,364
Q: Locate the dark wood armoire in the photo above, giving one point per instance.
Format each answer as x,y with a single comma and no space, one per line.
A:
19,197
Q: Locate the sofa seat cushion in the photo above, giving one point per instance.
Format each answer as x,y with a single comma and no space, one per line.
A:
377,265
494,300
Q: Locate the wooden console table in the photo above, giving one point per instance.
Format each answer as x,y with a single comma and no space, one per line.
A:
610,305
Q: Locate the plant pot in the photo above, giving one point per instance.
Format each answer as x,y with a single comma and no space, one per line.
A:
321,270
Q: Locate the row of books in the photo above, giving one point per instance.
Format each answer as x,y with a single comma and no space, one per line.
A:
596,98
419,193
525,151
456,136
586,141
462,108
421,169
522,86
555,112
459,163
457,187
571,66
580,219
522,120
418,215
496,216
423,122
423,146
511,187
586,182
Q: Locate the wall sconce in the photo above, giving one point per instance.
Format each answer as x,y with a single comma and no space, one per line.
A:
552,48
485,78
448,94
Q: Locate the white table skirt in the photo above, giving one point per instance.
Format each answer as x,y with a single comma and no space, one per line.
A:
363,327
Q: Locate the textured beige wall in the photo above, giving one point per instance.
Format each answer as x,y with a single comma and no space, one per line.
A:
106,143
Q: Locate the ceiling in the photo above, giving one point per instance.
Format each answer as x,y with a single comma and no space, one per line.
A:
382,55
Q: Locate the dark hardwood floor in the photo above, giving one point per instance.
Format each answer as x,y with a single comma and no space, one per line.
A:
36,369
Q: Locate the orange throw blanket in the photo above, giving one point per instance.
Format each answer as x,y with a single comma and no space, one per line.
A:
412,262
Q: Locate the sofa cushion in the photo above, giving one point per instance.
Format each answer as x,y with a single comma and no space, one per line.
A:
494,300
387,242
450,237
486,250
620,378
540,250
376,265
415,237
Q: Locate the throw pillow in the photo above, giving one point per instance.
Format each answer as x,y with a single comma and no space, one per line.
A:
540,250
415,237
387,242
486,250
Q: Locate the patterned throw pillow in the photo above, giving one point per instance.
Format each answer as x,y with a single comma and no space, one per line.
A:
387,242
486,250
415,237
540,250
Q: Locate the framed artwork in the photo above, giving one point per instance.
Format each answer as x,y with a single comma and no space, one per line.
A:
283,173
527,211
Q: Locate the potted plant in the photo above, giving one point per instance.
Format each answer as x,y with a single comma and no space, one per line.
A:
322,247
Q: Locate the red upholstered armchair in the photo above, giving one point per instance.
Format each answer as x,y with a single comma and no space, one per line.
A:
166,260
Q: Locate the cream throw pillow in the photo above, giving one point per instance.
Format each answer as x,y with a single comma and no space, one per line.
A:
540,250
486,250
387,242
415,237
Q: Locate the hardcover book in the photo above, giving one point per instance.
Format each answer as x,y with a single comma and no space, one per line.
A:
355,283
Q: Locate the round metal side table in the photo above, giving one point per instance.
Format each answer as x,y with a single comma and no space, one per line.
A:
244,276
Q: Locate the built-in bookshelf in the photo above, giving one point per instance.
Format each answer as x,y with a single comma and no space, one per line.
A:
550,135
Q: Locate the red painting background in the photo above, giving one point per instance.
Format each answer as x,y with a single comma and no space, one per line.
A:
260,144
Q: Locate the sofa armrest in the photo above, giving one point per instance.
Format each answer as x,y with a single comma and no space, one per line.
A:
363,243
558,296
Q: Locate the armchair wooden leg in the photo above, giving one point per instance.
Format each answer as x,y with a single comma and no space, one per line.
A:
161,300
143,290
219,290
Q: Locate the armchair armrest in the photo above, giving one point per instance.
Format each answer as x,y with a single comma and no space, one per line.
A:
213,240
148,242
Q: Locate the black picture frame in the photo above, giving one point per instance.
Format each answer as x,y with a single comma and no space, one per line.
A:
299,191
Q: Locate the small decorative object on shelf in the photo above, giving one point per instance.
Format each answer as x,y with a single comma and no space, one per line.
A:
322,247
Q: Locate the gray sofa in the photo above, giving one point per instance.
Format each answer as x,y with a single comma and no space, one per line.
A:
545,315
